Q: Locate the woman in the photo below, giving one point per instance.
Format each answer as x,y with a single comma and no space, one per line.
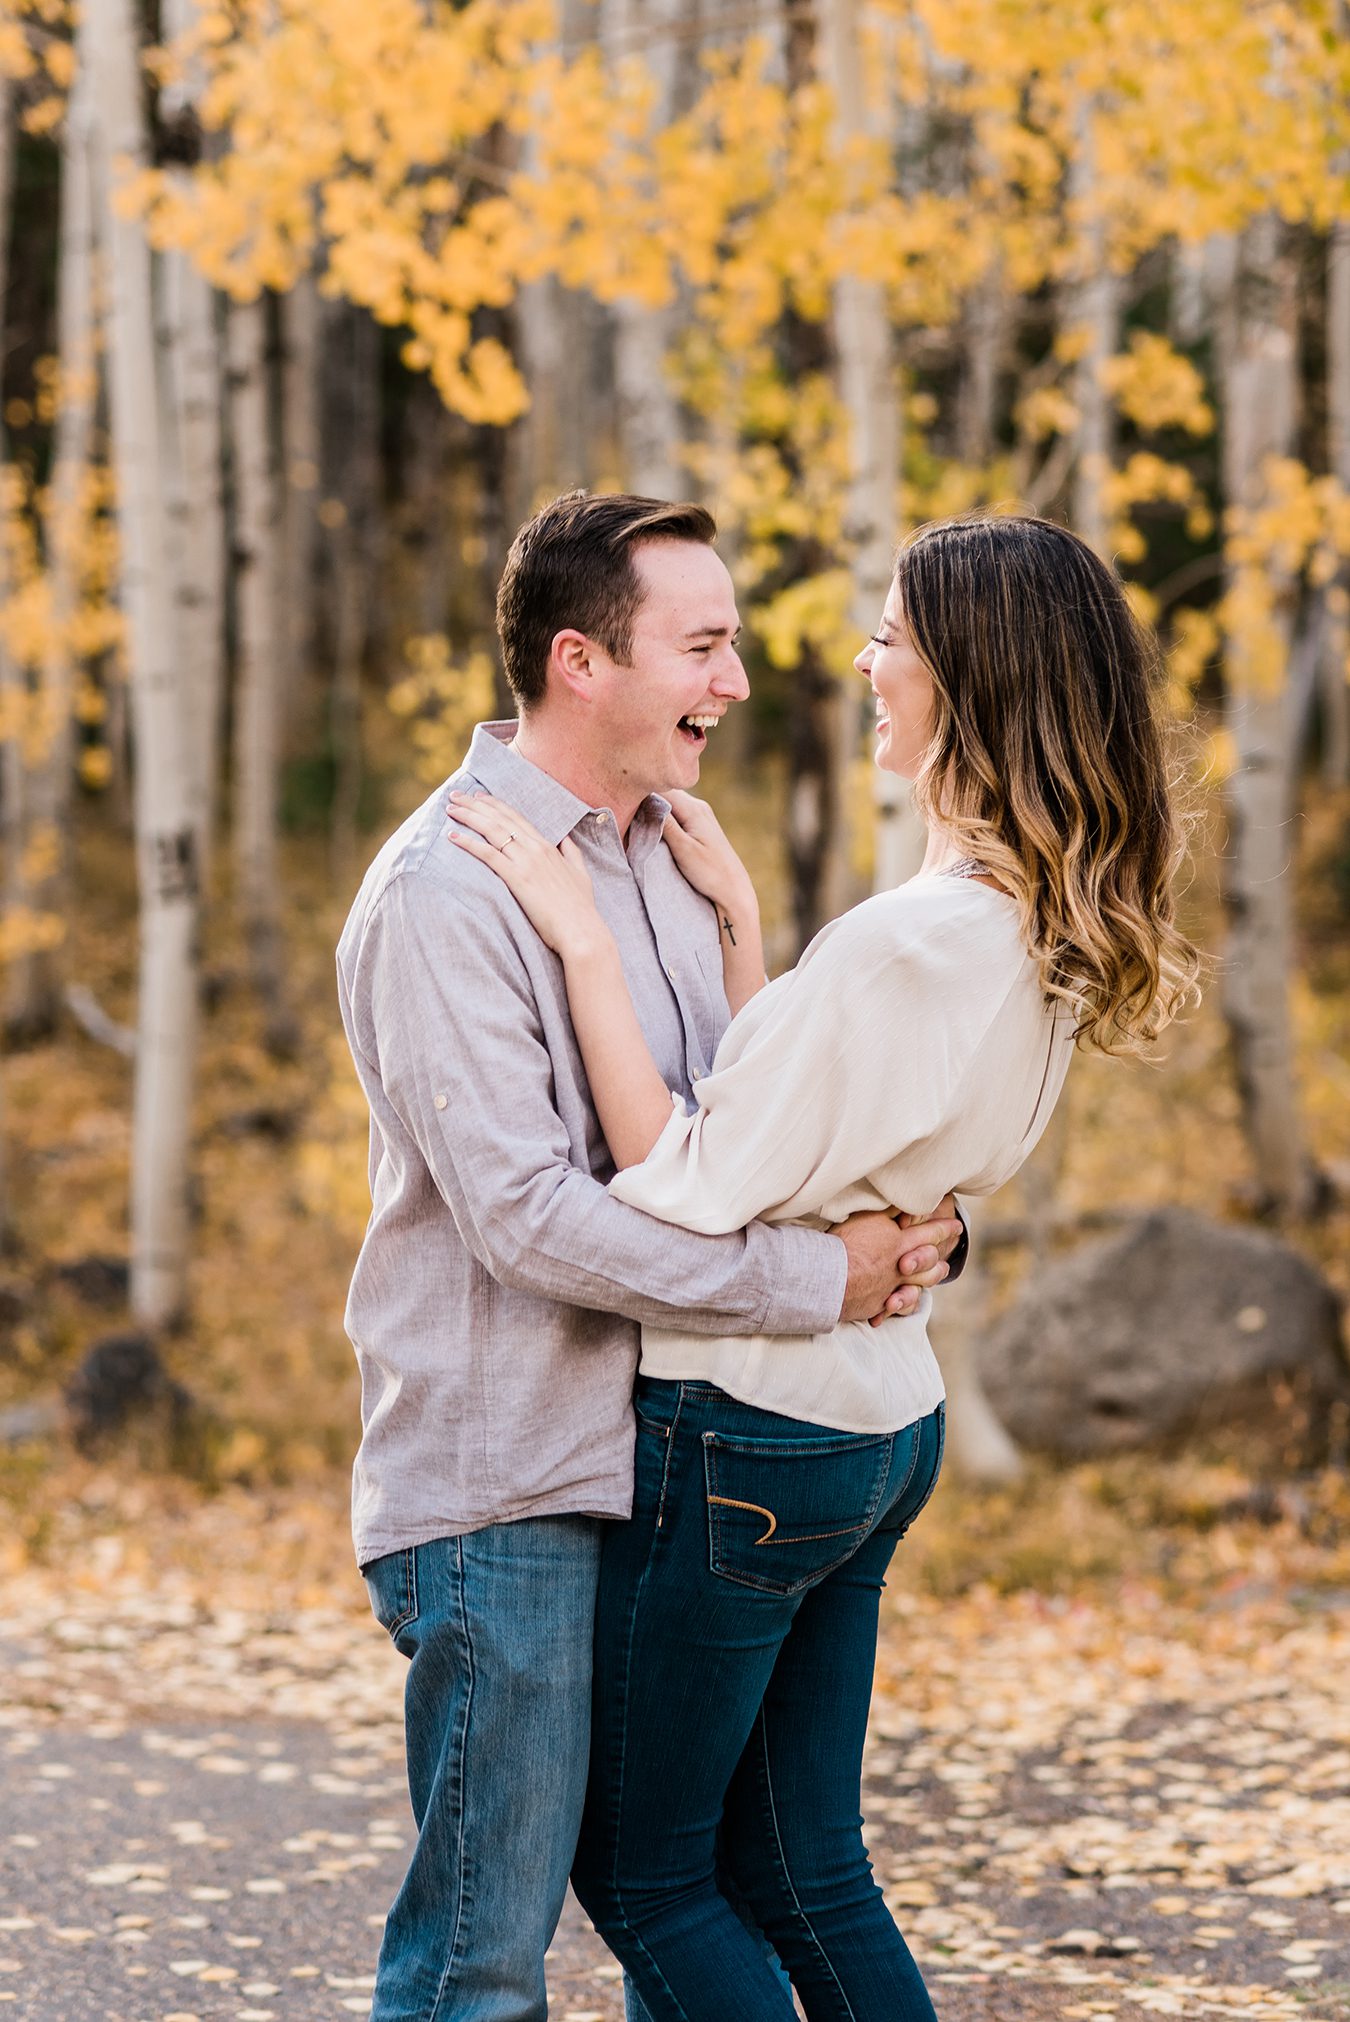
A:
918,1046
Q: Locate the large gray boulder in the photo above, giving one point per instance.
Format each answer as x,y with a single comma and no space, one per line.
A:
1174,1327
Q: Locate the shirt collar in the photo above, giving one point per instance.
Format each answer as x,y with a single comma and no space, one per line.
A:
553,809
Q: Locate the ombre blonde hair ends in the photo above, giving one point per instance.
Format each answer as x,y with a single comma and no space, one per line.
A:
1048,761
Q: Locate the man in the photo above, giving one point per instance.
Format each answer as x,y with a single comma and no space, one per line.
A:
495,1302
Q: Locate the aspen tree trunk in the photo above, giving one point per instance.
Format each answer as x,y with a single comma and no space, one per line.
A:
193,395
192,389
981,1450
536,439
553,443
167,818
1188,301
867,378
11,749
647,412
257,729
301,314
1334,660
1093,311
817,849
14,700
33,993
983,344
1258,341
193,385
351,352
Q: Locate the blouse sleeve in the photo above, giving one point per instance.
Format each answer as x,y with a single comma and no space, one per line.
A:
835,1070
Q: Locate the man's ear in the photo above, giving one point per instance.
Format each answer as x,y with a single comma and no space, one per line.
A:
571,662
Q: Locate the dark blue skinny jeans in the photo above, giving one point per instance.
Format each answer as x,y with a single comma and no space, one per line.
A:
735,1641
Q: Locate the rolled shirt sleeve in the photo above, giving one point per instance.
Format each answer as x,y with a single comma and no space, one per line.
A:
462,1055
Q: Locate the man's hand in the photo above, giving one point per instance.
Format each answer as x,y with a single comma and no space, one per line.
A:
892,1262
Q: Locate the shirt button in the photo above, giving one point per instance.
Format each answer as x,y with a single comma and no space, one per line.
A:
670,972
696,1074
602,818
441,1101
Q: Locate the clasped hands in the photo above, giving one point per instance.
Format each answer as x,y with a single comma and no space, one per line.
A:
894,1259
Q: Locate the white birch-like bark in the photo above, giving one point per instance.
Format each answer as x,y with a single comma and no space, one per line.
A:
257,721
1188,301
555,442
867,378
1258,332
302,396
10,748
536,446
192,386
1093,311
1334,659
13,681
167,818
982,1451
352,347
33,985
984,342
647,411
192,389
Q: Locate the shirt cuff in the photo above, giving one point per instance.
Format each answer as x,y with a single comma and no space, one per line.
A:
960,1256
809,1276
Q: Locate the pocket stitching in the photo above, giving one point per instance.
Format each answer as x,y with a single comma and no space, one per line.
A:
775,1449
409,1592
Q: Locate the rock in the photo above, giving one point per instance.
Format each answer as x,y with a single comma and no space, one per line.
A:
1174,1327
122,1377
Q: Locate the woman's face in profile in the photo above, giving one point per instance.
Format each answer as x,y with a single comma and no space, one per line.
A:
903,688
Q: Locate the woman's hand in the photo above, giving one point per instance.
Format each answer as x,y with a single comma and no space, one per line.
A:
706,859
709,863
552,885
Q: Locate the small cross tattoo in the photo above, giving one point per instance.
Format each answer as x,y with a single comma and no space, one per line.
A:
727,930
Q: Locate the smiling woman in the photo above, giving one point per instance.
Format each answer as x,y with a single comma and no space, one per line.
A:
903,687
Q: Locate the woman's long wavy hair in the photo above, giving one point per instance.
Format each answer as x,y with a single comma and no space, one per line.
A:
1048,762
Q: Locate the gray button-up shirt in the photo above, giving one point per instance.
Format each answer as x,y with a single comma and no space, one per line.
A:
495,1302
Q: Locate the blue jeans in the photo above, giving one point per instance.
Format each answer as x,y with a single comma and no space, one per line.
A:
498,1626
735,1641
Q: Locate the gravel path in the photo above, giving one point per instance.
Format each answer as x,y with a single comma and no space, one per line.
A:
204,1817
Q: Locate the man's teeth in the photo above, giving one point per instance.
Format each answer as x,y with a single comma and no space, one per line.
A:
701,722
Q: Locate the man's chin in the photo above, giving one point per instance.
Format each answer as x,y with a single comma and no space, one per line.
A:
686,765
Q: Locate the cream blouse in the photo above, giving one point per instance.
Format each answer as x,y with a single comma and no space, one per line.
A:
909,1054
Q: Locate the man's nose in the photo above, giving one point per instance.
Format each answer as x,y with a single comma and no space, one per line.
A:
730,679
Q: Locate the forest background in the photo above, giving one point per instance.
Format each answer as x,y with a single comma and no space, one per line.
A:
307,303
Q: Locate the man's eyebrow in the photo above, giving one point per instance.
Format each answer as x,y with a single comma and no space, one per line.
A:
713,632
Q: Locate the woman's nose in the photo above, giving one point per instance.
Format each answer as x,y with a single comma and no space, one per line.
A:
862,661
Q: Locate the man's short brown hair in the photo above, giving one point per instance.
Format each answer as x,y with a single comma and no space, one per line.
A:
571,568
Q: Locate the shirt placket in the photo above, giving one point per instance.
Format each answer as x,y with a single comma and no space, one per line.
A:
682,972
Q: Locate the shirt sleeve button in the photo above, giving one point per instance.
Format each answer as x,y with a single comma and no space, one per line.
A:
441,1101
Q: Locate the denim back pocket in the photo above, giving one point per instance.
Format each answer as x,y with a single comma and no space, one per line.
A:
784,1512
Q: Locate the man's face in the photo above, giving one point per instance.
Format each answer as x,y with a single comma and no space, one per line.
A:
657,714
